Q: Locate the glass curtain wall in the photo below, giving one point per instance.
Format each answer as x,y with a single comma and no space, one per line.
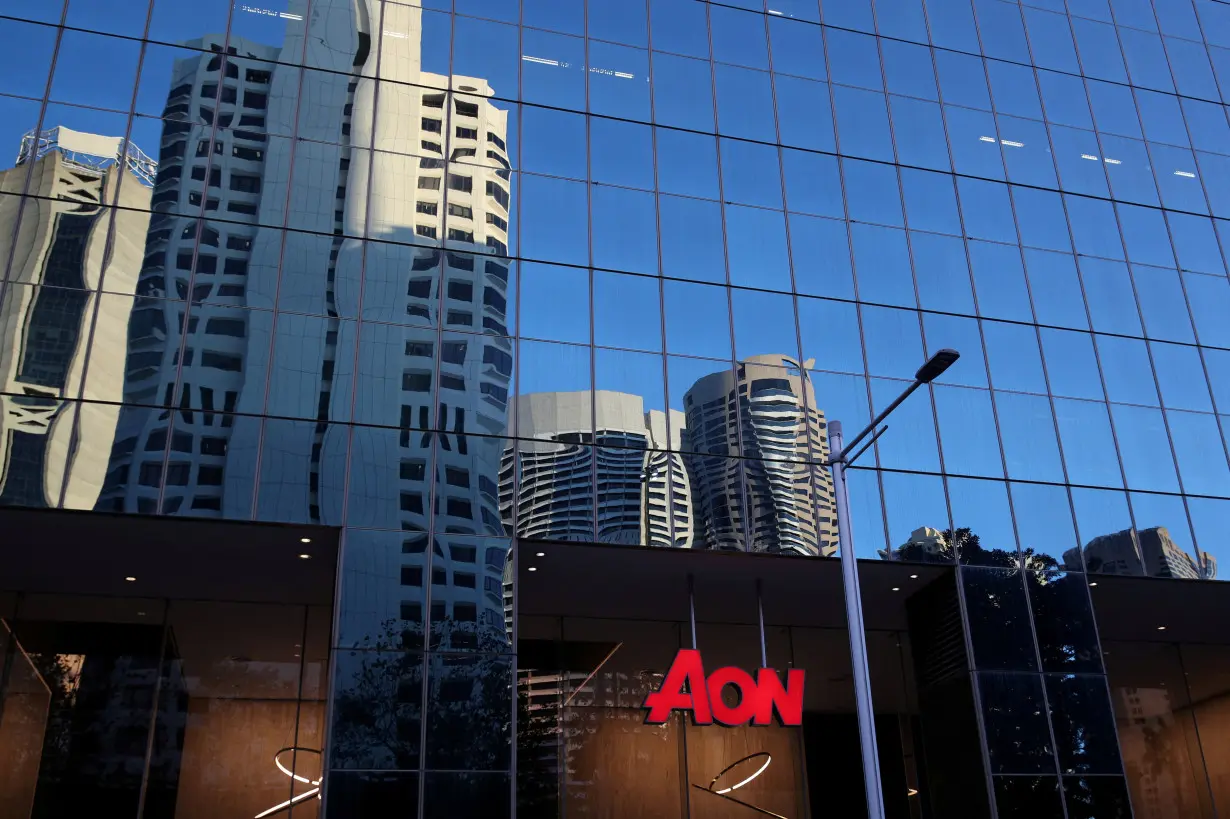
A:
449,274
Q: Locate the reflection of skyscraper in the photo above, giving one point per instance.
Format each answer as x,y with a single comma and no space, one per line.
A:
195,272
426,374
69,249
319,236
766,411
1158,556
643,492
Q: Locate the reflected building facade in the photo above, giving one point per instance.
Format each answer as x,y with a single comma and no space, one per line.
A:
67,249
1151,552
628,483
779,496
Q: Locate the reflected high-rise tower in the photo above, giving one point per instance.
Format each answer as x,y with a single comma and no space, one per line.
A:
186,341
625,484
780,496
362,222
1150,551
69,249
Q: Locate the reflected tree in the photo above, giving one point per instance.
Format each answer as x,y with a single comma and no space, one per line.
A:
966,546
379,702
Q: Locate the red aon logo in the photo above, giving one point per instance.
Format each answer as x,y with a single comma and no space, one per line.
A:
758,698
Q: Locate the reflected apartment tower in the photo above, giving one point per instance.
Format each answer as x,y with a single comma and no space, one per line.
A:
643,493
1158,556
186,340
69,249
417,354
780,492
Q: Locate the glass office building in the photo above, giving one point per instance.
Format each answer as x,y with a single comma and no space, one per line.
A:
390,388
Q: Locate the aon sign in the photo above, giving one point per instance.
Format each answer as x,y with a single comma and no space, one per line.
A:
759,698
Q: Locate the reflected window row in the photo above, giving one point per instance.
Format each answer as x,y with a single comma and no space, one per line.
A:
871,257
799,110
1124,46
682,92
1037,528
623,484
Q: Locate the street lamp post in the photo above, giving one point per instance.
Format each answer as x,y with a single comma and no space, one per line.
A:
927,373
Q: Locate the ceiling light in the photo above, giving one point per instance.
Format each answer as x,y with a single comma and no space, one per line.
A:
1161,628
305,540
913,577
540,554
896,588
140,614
131,579
533,568
296,655
1093,583
304,556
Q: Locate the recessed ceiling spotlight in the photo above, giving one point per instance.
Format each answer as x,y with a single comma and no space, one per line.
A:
913,577
140,614
1093,583
131,579
540,554
305,540
296,655
896,588
533,568
1161,628
304,556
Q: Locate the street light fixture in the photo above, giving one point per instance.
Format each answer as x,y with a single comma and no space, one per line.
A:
928,372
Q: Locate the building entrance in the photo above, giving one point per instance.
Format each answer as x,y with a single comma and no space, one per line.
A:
598,630
156,669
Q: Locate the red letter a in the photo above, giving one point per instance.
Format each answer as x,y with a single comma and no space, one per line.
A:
685,669
788,700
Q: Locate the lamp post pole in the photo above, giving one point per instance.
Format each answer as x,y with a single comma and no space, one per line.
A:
939,362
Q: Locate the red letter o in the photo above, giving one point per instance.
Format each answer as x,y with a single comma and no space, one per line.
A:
749,696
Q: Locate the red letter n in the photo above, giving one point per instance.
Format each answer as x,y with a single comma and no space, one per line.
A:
788,701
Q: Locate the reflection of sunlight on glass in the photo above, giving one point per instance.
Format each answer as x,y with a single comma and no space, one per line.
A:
285,15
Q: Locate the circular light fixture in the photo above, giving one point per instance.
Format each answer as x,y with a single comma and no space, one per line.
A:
315,783
540,554
131,579
305,540
533,568
305,557
768,759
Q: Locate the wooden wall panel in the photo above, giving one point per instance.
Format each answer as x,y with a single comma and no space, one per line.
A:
619,767
779,789
229,745
23,722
